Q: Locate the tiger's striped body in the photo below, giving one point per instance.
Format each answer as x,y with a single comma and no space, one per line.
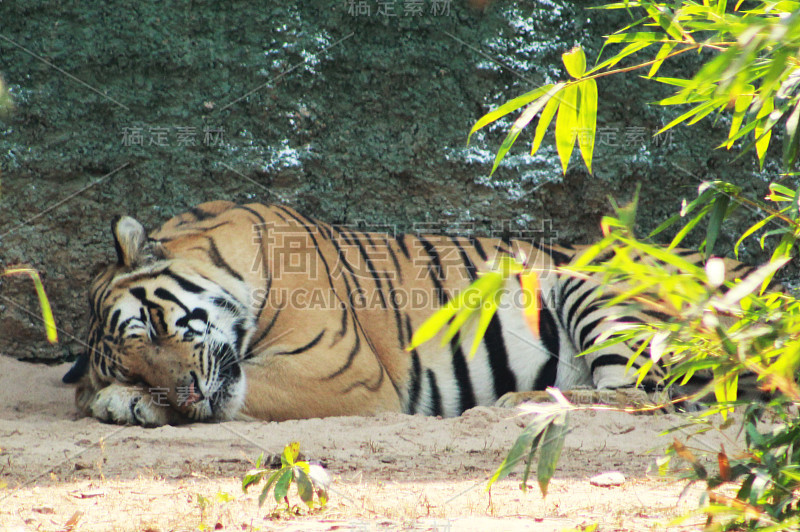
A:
257,311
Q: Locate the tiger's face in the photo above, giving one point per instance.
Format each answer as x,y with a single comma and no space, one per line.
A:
162,327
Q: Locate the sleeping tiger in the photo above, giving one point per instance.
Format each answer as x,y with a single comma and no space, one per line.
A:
252,311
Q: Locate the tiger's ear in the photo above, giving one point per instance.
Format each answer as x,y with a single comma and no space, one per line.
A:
129,241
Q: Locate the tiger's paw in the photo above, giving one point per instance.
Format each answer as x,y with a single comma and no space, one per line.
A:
126,405
629,397
514,399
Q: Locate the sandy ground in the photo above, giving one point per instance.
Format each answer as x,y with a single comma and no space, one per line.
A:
61,472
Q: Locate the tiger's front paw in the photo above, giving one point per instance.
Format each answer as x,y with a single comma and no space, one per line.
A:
628,397
127,405
513,399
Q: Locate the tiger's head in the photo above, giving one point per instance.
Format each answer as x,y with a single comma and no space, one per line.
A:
175,327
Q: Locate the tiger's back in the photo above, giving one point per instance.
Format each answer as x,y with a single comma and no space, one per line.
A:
259,311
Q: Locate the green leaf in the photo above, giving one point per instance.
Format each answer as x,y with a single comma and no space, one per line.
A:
488,308
663,52
664,225
715,222
666,20
458,307
547,116
777,188
791,144
677,82
587,120
509,107
431,327
290,454
725,388
636,36
755,227
762,136
703,109
529,437
625,52
665,256
253,476
567,124
518,125
575,62
526,472
44,304
712,70
304,488
270,482
47,311
779,69
283,483
689,226
550,451
740,108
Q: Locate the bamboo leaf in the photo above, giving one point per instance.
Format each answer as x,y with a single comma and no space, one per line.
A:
762,136
725,388
625,52
528,438
567,124
488,309
471,299
740,108
519,124
663,52
707,106
529,282
431,327
587,120
677,82
755,227
666,20
51,331
550,451
689,226
548,113
575,62
636,36
715,222
508,107
791,139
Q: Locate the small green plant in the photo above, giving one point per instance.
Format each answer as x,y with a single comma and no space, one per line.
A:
310,479
546,433
204,503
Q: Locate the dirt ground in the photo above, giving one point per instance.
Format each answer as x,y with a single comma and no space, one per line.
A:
61,472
